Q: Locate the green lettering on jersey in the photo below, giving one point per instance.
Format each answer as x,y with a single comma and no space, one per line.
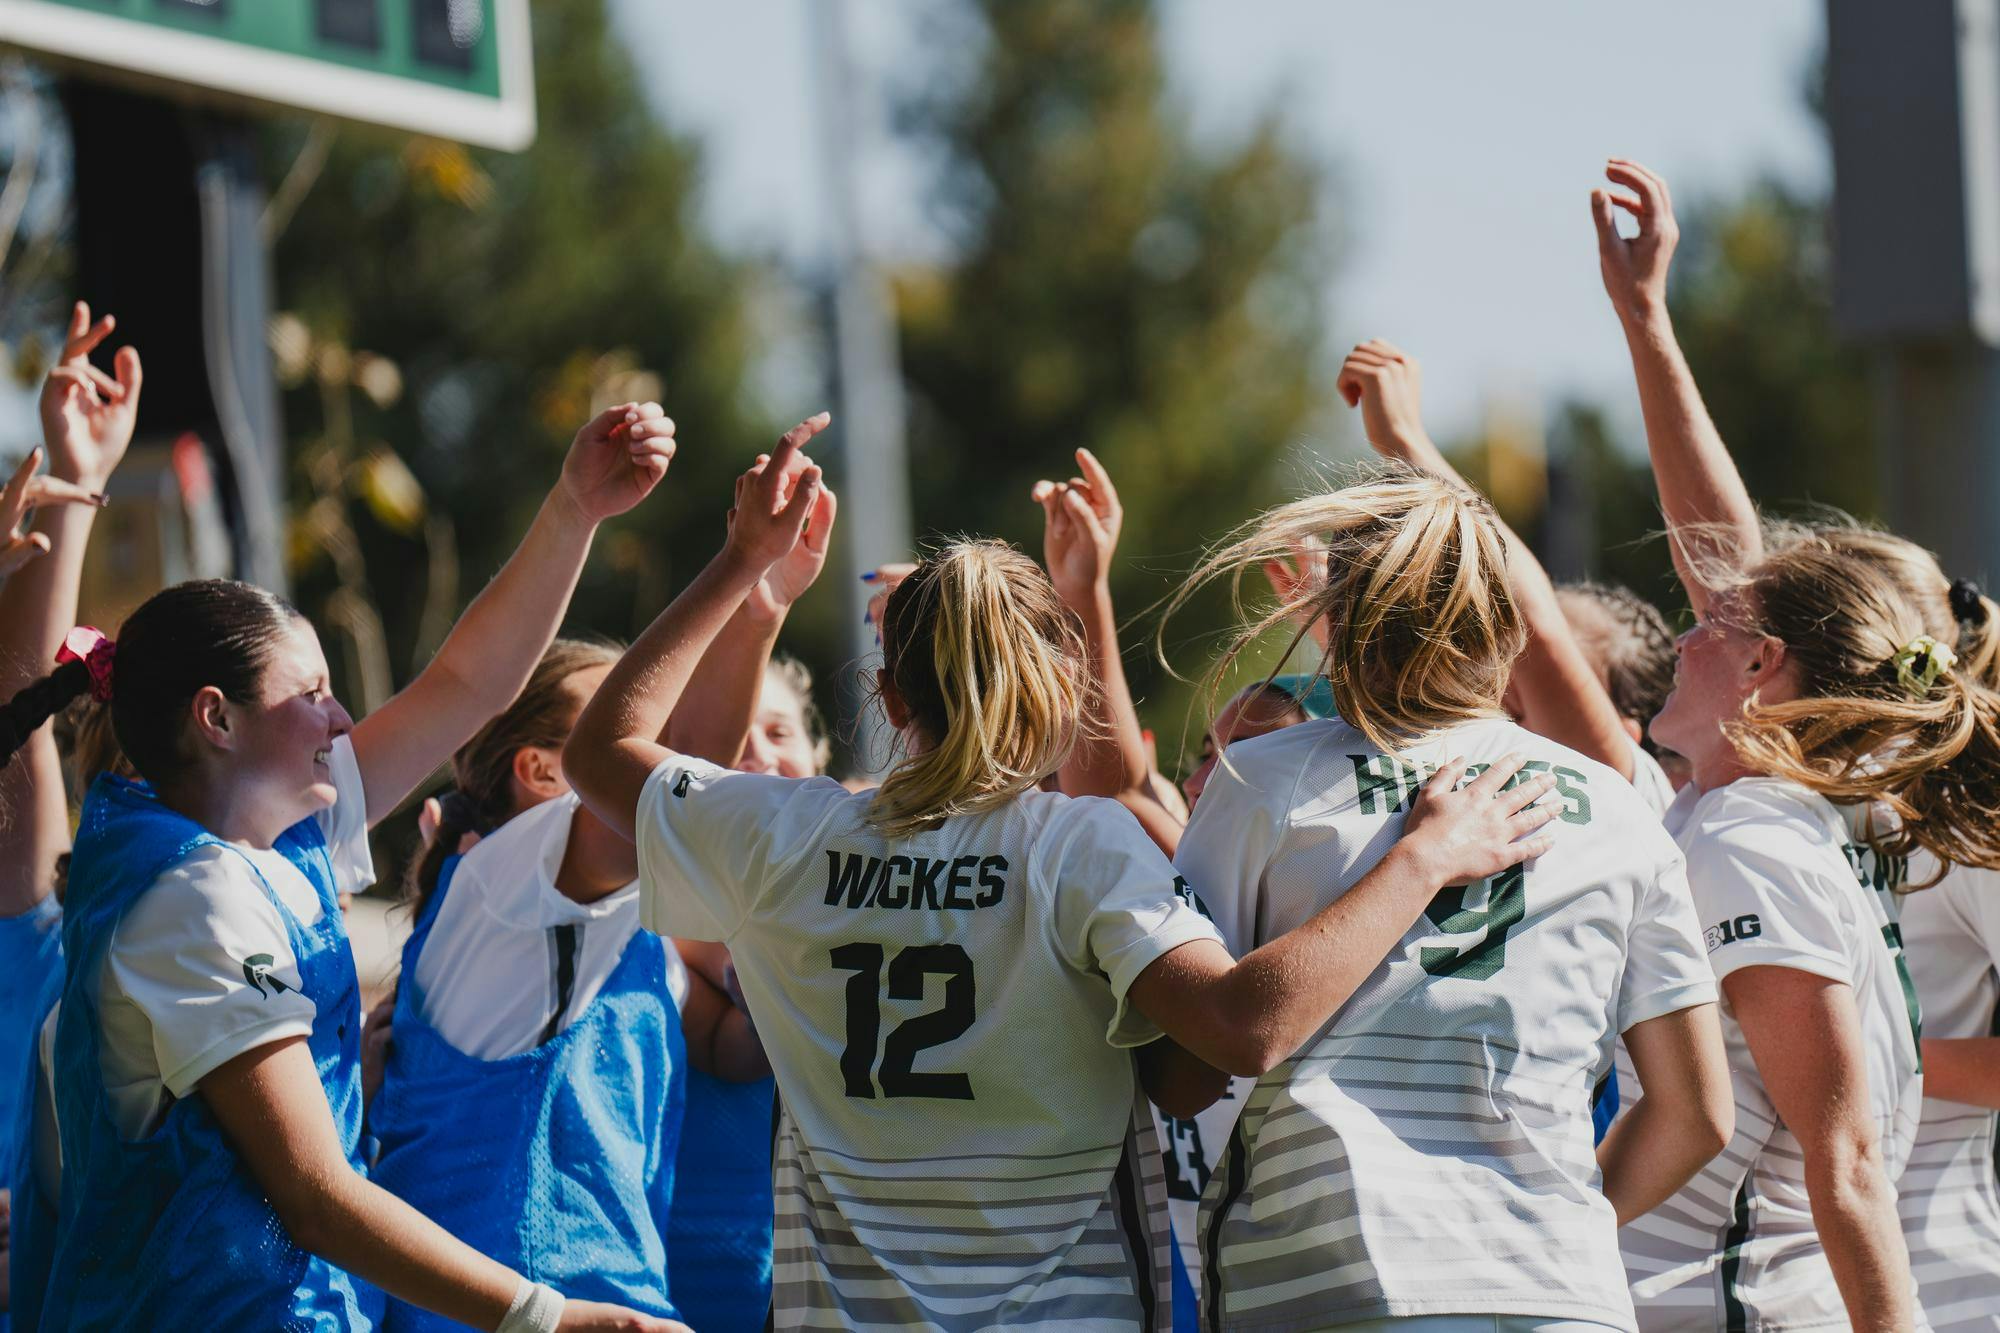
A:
1506,903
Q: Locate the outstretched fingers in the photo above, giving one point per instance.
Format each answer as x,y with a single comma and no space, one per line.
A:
14,496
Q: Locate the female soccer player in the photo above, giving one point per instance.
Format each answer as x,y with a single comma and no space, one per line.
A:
207,1088
540,1122
1949,1204
937,966
1428,1153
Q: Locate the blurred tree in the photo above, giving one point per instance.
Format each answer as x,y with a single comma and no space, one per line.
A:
1752,300
1114,285
453,316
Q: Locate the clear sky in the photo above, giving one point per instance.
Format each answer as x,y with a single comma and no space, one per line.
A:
1464,136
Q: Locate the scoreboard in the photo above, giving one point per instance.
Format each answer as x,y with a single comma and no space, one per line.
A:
455,69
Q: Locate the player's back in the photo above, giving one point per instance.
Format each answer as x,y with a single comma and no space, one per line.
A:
1429,1152
961,1146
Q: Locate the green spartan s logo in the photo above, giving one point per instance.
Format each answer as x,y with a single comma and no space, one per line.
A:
257,971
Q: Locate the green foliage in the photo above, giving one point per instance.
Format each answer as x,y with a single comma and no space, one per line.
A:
1116,286
512,291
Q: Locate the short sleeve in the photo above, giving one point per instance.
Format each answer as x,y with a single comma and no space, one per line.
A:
1117,905
1666,964
709,839
205,957
1762,901
1224,853
345,822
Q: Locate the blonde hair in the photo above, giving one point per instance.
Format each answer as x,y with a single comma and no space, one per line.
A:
1841,600
1422,627
1921,580
991,666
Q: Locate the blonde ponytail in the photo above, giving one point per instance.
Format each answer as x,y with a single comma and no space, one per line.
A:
1422,627
992,669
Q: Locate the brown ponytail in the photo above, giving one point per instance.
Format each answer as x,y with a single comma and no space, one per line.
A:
482,770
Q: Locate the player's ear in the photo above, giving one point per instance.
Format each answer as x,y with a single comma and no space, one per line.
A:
893,706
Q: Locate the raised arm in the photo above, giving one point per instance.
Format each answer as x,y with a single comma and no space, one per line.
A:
1559,693
614,746
1711,522
268,1101
1249,1016
1805,1036
87,423
615,461
1082,519
720,704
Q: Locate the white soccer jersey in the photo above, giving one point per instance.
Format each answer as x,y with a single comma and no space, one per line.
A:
965,1146
1775,884
1429,1151
1948,1197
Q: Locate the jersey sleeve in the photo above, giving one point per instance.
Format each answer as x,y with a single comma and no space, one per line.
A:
709,840
345,822
1666,964
1223,855
1762,901
204,956
1117,907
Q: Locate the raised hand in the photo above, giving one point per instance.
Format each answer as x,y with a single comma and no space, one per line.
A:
785,582
1301,574
1387,384
24,491
775,498
617,459
1081,522
1635,270
87,415
885,578
1480,829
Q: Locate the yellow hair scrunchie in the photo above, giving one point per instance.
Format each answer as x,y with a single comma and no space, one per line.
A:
1921,662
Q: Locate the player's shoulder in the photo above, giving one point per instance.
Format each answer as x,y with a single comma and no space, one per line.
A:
1773,810
1048,819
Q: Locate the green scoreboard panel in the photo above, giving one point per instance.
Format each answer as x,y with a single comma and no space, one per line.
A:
457,69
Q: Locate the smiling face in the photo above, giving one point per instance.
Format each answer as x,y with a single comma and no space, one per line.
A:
275,750
1719,664
780,740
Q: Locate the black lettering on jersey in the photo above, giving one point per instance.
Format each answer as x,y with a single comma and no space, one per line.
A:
1187,1165
957,882
991,885
924,882
854,881
850,877
894,892
681,787
1746,927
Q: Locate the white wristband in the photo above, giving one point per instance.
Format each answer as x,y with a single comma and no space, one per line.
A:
536,1309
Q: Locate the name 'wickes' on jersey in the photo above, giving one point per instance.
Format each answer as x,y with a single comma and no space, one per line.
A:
947,884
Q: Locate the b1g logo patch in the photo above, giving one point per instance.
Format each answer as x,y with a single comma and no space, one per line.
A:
1745,927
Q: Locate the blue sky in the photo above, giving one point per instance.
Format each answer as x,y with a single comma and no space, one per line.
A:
1464,137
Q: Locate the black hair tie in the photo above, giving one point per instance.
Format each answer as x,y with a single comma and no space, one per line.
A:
1968,604
459,813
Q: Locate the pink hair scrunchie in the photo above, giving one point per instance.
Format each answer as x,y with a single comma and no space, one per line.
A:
90,647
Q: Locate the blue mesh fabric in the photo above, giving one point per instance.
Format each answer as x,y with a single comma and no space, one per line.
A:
170,1232
558,1162
719,1244
31,1241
